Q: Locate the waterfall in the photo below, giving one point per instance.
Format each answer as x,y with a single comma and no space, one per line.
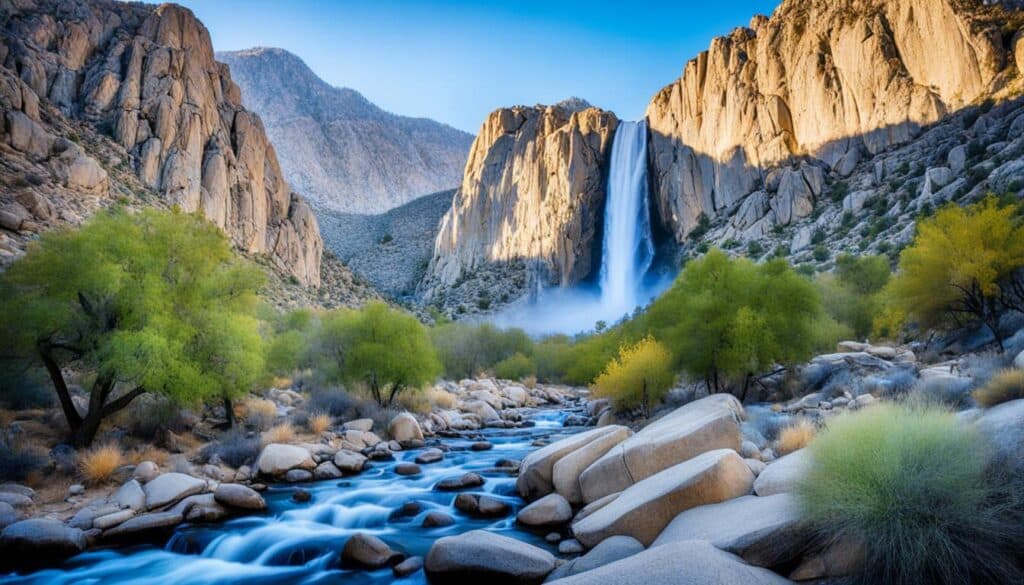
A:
628,248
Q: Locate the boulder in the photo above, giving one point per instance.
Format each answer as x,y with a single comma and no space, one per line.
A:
406,468
565,474
111,520
464,481
700,426
609,550
570,546
363,425
431,455
15,500
536,471
480,409
17,488
327,470
404,427
550,510
1004,427
437,520
365,551
691,562
130,495
8,515
171,487
407,567
235,495
298,476
783,474
482,556
277,459
146,471
481,506
144,524
349,462
39,540
645,508
766,532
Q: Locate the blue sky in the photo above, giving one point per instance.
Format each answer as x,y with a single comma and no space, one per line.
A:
456,61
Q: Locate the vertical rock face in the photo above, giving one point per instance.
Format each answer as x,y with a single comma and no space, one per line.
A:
531,196
832,80
146,76
343,152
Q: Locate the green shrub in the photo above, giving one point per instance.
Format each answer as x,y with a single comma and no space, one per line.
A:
515,367
755,249
909,483
639,376
468,349
821,253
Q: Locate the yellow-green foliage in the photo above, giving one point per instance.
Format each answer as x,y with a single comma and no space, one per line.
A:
639,376
962,266
468,350
910,484
386,349
1005,386
515,367
154,301
851,295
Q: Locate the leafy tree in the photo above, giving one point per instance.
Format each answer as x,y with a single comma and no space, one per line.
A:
469,349
148,302
387,349
640,375
964,265
731,318
852,294
289,345
515,367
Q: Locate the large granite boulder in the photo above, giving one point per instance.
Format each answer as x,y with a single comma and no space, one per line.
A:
170,488
365,551
609,550
236,495
1003,425
537,469
784,474
404,427
479,556
551,510
766,532
278,459
700,426
691,562
39,540
565,474
644,509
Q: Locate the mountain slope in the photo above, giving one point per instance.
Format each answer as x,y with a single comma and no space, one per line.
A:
342,151
106,102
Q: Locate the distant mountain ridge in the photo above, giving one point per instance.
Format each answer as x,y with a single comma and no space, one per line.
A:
345,153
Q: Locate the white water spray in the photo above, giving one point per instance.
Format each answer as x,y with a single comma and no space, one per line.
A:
627,253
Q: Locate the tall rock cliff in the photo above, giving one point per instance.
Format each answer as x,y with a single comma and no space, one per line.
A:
832,81
530,201
104,100
341,151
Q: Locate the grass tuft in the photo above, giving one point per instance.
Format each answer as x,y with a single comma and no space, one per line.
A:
282,433
319,422
1003,387
910,483
98,465
795,437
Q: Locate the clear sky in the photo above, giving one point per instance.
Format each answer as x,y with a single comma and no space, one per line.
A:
455,61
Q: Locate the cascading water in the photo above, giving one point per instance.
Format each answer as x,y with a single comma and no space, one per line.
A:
628,245
627,253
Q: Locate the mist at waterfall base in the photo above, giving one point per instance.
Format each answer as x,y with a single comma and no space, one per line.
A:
627,252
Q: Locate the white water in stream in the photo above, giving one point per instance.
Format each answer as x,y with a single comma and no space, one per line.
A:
627,252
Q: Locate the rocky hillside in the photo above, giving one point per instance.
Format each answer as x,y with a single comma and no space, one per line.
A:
105,101
343,152
529,205
829,126
390,250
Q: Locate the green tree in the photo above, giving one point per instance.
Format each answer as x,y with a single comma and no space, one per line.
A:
470,349
730,318
515,367
852,294
289,346
387,349
640,375
148,302
964,266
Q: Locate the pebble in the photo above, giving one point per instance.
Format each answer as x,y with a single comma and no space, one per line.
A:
407,567
301,496
76,489
408,469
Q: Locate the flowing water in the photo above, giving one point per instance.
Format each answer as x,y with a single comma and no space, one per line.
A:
300,543
627,253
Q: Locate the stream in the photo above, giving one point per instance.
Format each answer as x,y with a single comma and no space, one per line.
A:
300,542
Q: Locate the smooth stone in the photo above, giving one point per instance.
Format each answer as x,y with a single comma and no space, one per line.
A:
464,481
570,546
407,567
645,508
154,521
1003,425
408,469
565,475
171,487
756,466
37,540
481,446
130,495
76,489
550,510
437,520
363,425
15,500
235,495
691,562
327,470
8,515
553,537
611,549
481,506
277,459
536,470
111,520
298,476
430,456
405,427
365,551
146,471
349,462
784,474
482,556
704,425
17,488
765,531
301,496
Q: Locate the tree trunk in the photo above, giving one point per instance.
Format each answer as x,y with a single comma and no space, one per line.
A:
643,400
71,415
229,412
